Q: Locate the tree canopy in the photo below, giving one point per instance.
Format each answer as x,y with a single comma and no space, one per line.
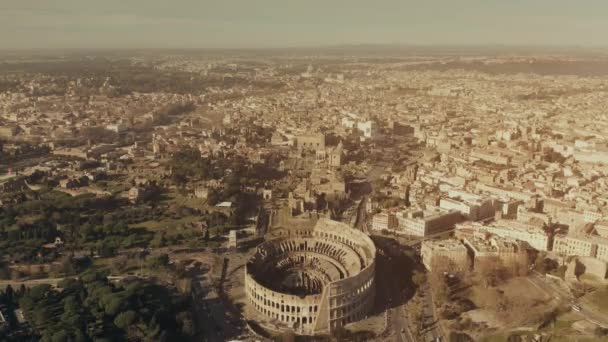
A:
93,308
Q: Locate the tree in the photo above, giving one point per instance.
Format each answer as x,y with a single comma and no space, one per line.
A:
160,240
184,319
102,339
159,262
213,197
9,293
321,202
539,263
124,319
71,306
60,336
5,272
66,266
119,264
106,250
543,265
42,315
113,304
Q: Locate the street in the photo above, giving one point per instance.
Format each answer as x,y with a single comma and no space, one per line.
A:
399,324
393,293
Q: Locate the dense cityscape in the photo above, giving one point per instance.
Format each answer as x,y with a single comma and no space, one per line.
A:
331,195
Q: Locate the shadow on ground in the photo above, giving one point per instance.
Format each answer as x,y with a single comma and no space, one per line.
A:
395,265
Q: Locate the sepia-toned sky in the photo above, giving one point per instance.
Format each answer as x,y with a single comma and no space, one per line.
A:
290,23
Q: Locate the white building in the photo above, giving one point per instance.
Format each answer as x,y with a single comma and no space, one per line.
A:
534,235
428,222
471,206
367,128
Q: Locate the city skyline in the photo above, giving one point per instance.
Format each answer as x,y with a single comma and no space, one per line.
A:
241,24
339,171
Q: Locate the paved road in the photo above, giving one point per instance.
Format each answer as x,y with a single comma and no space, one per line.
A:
392,293
350,215
207,312
430,317
211,312
30,283
50,281
400,325
361,218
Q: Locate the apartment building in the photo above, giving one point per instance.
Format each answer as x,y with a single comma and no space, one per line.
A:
444,252
508,251
533,234
428,222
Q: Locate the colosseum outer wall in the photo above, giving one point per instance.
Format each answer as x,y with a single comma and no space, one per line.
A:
342,301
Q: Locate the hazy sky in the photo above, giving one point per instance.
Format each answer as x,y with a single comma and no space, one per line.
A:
283,23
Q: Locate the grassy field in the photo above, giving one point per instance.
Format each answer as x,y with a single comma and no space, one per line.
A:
561,330
512,306
524,300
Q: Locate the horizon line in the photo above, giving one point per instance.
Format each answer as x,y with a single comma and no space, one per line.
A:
323,46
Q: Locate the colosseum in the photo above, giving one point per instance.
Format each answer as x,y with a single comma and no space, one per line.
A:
312,279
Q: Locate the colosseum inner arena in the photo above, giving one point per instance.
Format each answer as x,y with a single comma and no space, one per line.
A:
312,279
